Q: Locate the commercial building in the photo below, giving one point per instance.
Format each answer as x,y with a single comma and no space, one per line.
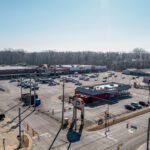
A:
10,71
137,72
101,91
67,69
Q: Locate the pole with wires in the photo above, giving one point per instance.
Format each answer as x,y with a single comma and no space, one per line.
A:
30,92
34,98
63,97
21,88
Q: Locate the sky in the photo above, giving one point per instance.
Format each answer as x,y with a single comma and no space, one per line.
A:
75,25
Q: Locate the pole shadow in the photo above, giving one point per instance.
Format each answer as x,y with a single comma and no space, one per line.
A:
12,107
55,139
9,122
15,126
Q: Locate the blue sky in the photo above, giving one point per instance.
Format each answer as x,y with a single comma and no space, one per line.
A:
73,25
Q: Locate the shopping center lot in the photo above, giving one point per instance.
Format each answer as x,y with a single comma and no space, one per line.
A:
51,104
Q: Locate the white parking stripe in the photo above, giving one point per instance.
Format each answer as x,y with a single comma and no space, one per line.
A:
109,137
44,134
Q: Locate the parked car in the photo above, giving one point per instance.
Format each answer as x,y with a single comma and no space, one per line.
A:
2,116
92,76
136,105
143,103
81,78
44,82
52,84
86,79
78,83
13,80
130,107
36,88
104,80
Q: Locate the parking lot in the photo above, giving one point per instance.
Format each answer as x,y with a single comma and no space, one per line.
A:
51,103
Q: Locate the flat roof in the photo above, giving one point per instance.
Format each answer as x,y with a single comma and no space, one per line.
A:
106,87
16,67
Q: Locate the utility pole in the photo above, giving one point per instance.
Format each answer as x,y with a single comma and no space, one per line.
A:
21,89
149,93
34,98
147,147
108,119
30,92
75,116
63,97
19,129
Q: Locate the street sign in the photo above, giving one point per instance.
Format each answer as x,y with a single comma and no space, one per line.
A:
77,103
133,127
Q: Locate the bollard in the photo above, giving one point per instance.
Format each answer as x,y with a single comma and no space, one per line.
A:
28,128
33,132
52,111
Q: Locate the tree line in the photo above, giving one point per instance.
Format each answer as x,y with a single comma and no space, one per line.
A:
138,58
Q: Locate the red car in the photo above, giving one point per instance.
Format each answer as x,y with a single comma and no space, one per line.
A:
143,103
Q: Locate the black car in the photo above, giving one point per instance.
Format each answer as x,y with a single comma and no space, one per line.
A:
130,107
2,116
34,88
136,105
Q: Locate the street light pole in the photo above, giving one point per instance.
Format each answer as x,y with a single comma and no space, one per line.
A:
63,105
